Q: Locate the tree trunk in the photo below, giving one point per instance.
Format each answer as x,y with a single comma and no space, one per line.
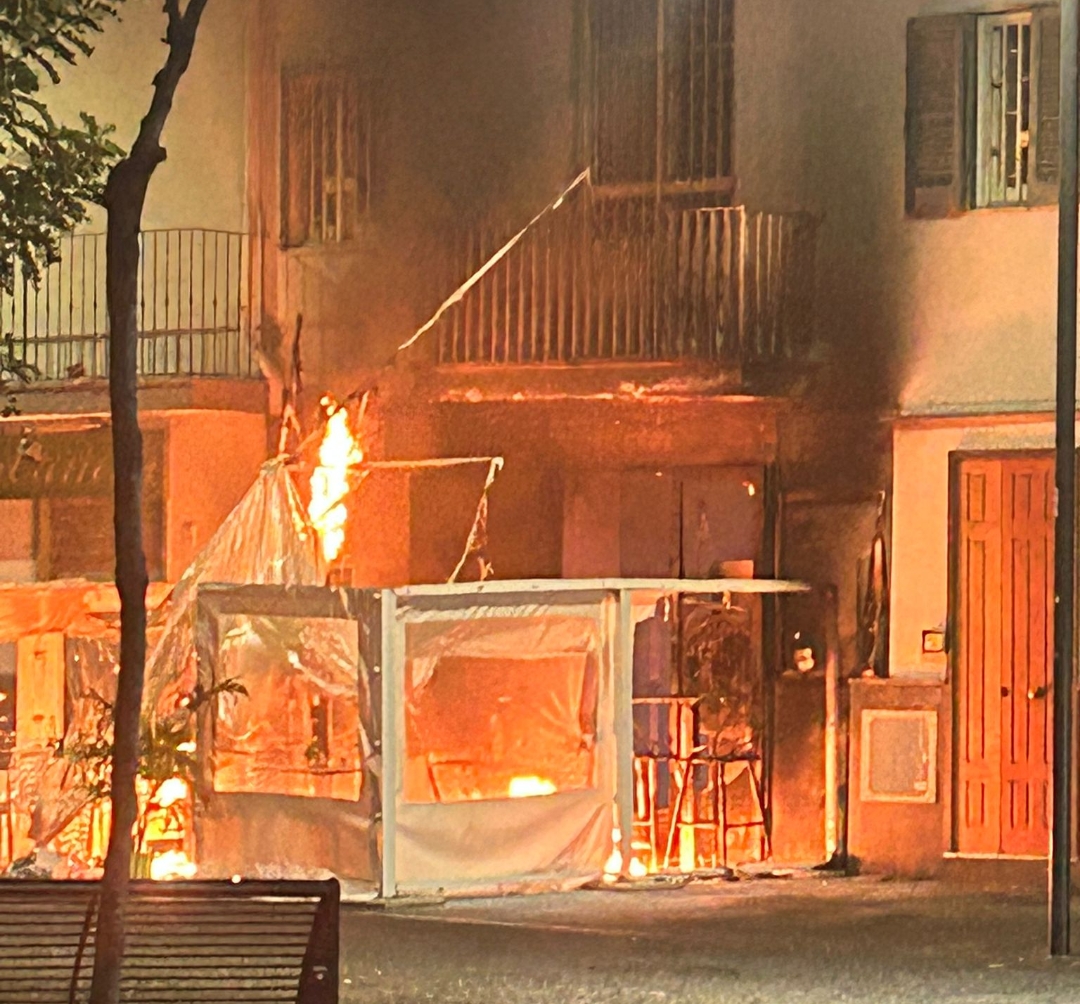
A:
125,196
122,265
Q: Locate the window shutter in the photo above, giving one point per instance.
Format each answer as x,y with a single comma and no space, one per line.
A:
1043,180
940,114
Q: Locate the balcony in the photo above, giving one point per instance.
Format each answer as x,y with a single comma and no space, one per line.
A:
634,281
192,311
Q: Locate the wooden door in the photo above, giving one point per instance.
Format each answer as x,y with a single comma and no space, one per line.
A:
1004,655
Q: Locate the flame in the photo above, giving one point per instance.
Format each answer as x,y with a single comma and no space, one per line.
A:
172,865
173,790
530,787
614,866
330,480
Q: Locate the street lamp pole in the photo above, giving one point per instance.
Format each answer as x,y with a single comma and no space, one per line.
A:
1065,521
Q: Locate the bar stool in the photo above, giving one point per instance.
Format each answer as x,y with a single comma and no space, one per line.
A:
718,819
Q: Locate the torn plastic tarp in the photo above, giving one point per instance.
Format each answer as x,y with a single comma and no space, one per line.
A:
264,540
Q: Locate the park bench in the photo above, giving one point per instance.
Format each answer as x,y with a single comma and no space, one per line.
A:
187,942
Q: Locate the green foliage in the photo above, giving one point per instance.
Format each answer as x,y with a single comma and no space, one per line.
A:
48,171
166,743
12,367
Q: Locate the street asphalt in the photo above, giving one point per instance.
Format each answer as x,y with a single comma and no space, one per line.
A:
805,940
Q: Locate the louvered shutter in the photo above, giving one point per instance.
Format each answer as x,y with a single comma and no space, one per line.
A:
940,114
1044,168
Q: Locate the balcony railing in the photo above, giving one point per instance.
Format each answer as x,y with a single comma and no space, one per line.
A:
192,310
632,280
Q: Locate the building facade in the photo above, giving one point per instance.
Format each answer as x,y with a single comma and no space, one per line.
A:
940,182
683,361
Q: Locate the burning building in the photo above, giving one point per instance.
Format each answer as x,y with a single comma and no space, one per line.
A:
642,350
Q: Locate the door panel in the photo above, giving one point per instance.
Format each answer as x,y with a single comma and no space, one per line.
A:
979,657
1005,636
1027,643
649,524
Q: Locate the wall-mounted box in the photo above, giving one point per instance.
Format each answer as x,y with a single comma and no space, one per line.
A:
899,755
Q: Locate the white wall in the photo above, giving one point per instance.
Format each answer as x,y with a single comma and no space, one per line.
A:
201,184
964,306
920,526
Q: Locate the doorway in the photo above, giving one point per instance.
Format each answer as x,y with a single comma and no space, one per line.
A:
1003,516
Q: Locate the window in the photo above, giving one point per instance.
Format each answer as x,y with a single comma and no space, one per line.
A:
326,153
663,86
982,111
1003,109
56,508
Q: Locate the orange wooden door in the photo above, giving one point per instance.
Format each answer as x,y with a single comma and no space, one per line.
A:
1028,653
1005,651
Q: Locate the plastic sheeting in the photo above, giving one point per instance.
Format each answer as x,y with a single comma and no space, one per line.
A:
286,768
50,788
500,707
297,731
501,697
264,540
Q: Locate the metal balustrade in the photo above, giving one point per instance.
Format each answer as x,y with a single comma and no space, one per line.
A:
192,310
628,279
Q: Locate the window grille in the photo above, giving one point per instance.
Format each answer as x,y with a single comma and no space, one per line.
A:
663,88
1004,108
983,111
326,154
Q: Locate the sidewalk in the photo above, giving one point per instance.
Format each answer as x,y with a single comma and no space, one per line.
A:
804,940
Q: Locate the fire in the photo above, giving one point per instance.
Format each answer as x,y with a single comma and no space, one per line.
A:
531,787
173,790
330,480
614,866
172,865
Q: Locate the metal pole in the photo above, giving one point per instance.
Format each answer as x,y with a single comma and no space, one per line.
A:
1065,522
832,725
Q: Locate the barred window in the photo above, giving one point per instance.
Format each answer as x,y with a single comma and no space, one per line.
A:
663,90
1004,108
326,157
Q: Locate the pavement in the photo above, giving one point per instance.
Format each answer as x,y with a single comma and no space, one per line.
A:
762,941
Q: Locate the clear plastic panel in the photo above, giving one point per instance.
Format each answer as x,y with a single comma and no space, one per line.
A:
297,729
500,707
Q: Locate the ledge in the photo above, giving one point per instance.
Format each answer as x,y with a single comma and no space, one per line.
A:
156,395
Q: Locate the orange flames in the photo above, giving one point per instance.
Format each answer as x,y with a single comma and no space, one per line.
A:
531,787
330,480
